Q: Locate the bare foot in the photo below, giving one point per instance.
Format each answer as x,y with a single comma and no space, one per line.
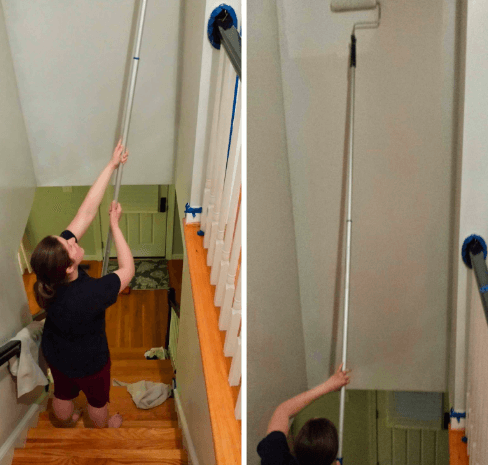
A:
115,421
76,416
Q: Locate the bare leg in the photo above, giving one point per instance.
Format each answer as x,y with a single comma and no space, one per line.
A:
99,416
64,410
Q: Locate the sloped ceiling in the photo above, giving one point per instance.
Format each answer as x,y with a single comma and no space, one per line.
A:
72,62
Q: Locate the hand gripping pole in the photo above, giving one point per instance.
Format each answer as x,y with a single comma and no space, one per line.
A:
128,111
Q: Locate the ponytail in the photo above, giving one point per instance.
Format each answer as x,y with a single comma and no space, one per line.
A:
49,262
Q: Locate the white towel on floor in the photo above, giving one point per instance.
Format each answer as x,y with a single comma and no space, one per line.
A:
26,367
146,394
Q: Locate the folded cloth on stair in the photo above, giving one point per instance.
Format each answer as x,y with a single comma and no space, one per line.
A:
157,353
146,394
26,367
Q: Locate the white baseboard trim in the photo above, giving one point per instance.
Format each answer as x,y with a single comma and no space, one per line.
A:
177,256
19,434
192,455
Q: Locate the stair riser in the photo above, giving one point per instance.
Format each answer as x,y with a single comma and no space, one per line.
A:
46,424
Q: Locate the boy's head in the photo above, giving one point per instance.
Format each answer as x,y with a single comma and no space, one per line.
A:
317,442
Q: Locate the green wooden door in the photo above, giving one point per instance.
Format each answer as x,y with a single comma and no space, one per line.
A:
409,431
143,226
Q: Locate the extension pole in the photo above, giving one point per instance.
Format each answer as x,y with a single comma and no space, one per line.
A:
128,111
352,72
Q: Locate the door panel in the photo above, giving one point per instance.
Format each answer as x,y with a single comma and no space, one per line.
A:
143,226
404,438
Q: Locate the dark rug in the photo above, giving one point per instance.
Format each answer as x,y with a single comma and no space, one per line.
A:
151,273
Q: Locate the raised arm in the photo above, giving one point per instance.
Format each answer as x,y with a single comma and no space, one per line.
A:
288,409
89,207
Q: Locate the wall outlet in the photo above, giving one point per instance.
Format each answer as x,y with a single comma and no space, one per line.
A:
67,189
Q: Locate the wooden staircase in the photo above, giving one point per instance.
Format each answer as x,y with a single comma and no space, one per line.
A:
146,436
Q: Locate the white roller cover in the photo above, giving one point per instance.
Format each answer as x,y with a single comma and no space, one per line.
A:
348,5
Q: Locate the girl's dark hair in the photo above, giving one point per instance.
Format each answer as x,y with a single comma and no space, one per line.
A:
49,262
317,442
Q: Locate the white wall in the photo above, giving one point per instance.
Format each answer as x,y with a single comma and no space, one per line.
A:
72,61
17,186
275,346
402,205
190,378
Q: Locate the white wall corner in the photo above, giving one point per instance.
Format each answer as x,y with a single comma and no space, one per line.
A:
187,441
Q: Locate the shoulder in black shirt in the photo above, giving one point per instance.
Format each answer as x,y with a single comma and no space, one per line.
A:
274,450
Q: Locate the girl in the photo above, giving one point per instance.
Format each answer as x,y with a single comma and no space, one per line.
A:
317,441
74,341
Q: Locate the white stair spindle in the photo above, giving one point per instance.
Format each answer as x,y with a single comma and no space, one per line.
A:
238,406
225,314
235,367
213,142
221,149
235,322
230,180
229,235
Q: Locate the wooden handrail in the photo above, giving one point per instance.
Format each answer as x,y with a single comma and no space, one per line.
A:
12,348
172,304
226,430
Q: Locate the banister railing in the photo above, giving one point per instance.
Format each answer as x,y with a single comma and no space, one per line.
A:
12,348
173,327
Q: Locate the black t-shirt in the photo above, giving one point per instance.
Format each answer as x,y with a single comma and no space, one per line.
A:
74,339
274,450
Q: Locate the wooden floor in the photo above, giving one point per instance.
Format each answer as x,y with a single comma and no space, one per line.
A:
138,319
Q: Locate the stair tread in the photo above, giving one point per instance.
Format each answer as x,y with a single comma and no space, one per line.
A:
77,456
106,433
129,444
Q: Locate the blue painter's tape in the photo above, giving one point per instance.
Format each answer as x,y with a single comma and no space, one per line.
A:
201,233
464,439
136,58
484,289
212,30
457,415
193,211
233,113
464,249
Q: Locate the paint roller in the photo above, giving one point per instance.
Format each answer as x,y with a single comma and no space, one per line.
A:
341,6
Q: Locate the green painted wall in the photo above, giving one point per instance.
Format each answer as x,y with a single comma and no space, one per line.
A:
51,213
53,210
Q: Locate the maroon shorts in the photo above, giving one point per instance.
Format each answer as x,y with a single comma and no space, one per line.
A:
96,387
